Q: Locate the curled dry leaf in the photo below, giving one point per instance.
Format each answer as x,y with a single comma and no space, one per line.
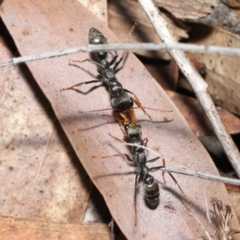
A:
222,71
41,178
190,9
196,118
223,17
122,14
232,3
66,25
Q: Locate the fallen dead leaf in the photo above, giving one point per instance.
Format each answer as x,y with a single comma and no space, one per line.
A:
222,71
187,9
122,15
196,118
165,73
35,230
32,142
89,132
232,3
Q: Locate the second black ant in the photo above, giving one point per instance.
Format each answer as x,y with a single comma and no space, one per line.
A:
137,148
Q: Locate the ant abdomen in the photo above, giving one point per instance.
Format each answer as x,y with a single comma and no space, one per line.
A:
151,192
121,103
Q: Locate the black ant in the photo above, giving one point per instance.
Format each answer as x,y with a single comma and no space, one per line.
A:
137,148
151,186
120,99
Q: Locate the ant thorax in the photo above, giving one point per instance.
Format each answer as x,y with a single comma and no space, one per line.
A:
104,65
109,76
137,149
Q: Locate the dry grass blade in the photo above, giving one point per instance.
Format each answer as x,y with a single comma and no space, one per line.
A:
222,218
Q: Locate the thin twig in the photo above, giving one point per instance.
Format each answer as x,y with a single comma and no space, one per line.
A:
130,46
197,174
203,175
196,81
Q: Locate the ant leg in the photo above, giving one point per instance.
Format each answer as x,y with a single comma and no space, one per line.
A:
113,59
130,117
121,117
115,118
145,141
118,120
119,61
137,101
124,53
114,155
129,159
173,178
99,110
154,160
135,196
78,84
71,62
116,138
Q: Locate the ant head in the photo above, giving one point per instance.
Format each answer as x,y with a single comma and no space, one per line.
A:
133,130
96,37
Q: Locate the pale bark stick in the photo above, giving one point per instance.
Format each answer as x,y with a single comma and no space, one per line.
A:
196,81
227,51
187,172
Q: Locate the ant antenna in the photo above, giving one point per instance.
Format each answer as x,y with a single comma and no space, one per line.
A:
131,31
124,53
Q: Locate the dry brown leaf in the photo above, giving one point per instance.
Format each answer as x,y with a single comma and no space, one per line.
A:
166,74
223,17
122,14
38,30
36,157
40,230
235,199
190,9
196,118
222,71
232,3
